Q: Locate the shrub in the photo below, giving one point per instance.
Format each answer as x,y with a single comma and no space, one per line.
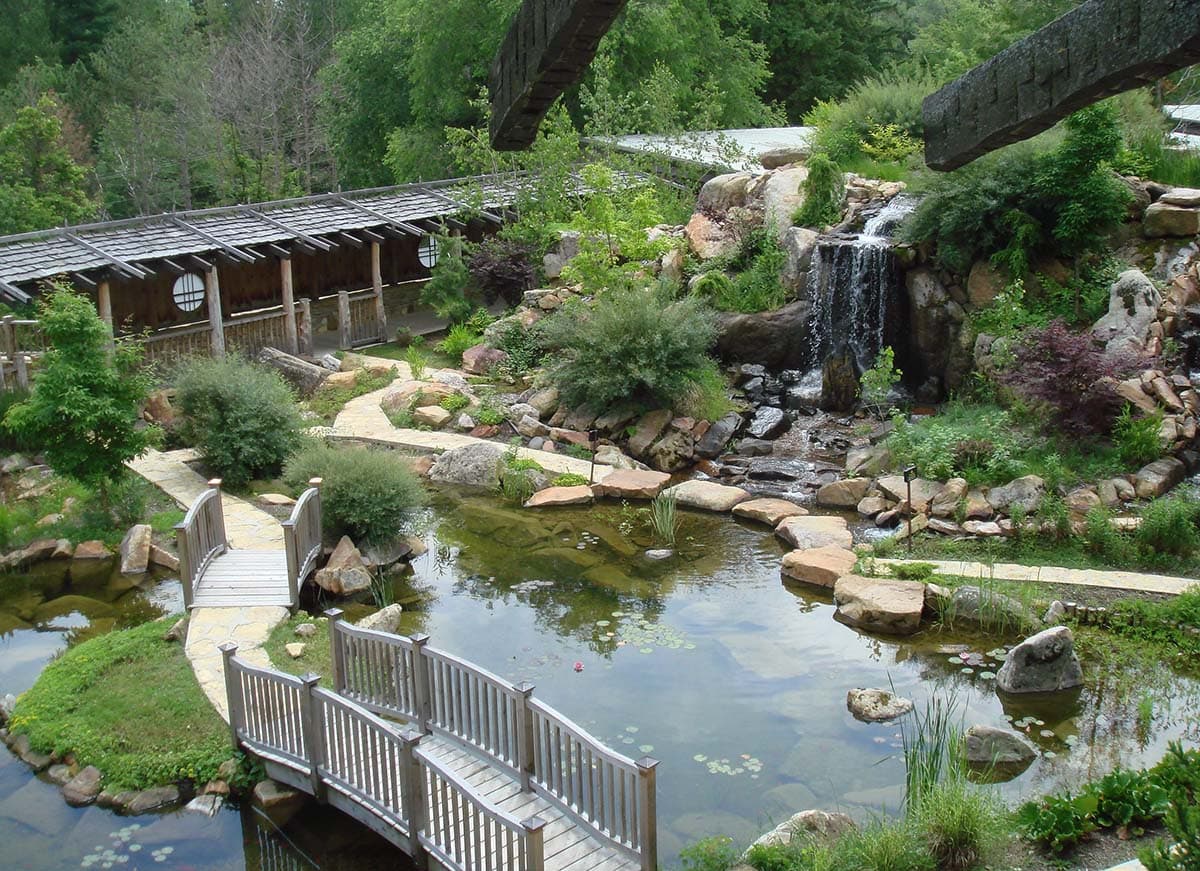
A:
9,439
1179,772
890,143
458,339
962,826
1058,822
976,442
1136,438
449,281
570,479
83,413
330,398
416,359
242,417
502,269
1070,377
757,286
824,190
892,98
632,344
708,396
366,494
523,347
1169,527
710,854
876,383
712,284
880,846
1129,800
1105,541
454,402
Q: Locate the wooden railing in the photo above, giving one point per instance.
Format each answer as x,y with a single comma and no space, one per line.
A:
343,754
246,333
249,333
200,538
302,538
175,343
611,794
21,343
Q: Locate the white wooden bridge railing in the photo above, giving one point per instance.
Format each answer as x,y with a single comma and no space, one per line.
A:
359,763
613,795
201,539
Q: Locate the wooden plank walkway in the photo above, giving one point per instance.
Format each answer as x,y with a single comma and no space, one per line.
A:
244,579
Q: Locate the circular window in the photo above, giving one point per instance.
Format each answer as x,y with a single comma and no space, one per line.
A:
188,292
428,251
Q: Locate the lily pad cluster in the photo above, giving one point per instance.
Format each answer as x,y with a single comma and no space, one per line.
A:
122,850
984,665
643,634
744,764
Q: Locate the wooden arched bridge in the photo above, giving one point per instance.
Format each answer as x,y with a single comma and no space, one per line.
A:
217,576
481,776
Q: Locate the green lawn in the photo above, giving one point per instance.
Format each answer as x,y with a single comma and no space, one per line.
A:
316,658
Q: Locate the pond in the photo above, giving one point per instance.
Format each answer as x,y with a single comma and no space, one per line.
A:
705,660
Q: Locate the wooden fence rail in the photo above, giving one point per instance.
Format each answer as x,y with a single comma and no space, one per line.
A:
302,537
342,753
611,794
200,538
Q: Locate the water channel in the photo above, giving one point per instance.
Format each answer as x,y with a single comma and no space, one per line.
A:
706,661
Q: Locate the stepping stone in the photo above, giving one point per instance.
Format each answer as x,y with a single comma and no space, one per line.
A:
821,566
708,495
632,484
551,496
810,532
880,605
770,511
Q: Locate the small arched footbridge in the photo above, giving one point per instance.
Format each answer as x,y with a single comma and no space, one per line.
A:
214,575
481,776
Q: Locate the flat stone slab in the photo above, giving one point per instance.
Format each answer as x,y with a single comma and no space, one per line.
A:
632,484
771,511
821,566
708,495
552,496
810,532
880,604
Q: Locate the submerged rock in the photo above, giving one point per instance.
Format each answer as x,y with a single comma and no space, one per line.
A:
873,705
1043,663
1007,752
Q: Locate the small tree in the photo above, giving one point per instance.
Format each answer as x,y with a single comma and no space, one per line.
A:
83,411
877,382
823,189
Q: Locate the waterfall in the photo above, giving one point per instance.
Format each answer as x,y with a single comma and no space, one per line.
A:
852,282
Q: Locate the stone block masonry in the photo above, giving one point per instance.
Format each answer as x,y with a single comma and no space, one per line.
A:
1100,48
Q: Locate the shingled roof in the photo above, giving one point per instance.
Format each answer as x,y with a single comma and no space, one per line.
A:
137,247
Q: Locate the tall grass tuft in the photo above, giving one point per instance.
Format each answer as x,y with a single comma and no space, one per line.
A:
664,518
932,740
961,825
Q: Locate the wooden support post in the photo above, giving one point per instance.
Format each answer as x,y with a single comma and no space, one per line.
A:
8,336
412,795
215,484
104,305
377,283
535,844
21,362
527,748
648,812
336,650
305,334
185,564
344,320
212,290
313,725
421,698
289,306
233,690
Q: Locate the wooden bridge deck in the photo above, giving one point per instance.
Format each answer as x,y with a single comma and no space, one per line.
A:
244,579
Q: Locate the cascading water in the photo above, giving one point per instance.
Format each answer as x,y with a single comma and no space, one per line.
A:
852,283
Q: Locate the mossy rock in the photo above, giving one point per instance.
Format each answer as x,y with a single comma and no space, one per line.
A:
64,605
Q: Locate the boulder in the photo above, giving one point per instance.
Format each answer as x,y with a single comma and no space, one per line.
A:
910,525
473,465
647,430
710,239
1168,219
89,550
774,339
768,423
820,566
482,359
673,452
1181,197
301,374
274,500
1132,307
713,442
280,803
923,490
946,502
798,244
943,527
708,495
308,630
817,824
872,506
984,284
532,428
868,460
1131,391
432,416
839,383
875,705
845,494
178,631
978,507
383,554
1155,479
345,573
773,158
723,192
1024,493
988,746
610,455
83,788
986,609
157,408
769,511
1043,663
631,484
932,328
545,401
386,619
781,195
810,532
148,800
880,605
554,496
1081,500
982,528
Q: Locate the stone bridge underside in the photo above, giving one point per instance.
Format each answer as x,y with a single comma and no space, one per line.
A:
1100,48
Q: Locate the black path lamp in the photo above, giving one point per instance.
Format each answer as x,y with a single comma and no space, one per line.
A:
910,472
592,444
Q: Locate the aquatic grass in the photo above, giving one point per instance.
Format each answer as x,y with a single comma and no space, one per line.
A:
664,518
962,825
931,738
